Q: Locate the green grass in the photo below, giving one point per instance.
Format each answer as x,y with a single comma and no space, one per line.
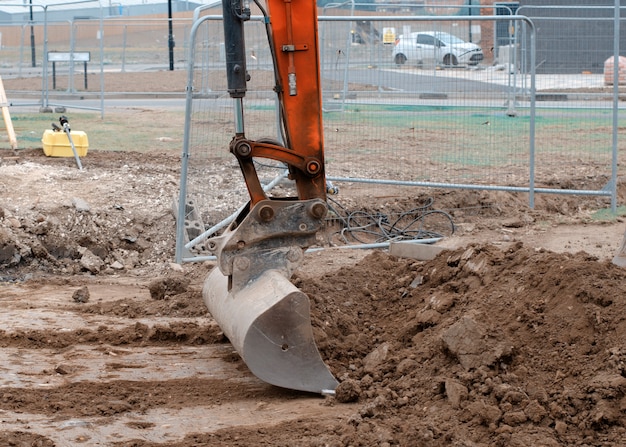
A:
606,214
504,139
142,131
479,129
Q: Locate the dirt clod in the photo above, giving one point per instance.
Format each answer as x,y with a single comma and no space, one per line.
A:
81,295
348,391
165,287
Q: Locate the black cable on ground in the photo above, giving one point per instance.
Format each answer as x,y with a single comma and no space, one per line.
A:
363,227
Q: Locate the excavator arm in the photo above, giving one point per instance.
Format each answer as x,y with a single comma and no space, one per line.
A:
263,314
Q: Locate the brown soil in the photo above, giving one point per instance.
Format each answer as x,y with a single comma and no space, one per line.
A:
161,81
513,336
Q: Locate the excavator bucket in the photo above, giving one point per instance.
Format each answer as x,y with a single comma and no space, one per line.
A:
269,325
266,318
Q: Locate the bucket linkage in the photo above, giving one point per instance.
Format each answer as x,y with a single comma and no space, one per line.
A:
265,317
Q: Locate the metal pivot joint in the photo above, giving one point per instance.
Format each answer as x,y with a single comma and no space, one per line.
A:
270,235
301,166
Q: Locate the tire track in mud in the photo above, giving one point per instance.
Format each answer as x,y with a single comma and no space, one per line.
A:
124,366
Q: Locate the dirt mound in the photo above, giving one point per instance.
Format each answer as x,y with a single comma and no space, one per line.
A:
497,347
482,346
514,336
104,219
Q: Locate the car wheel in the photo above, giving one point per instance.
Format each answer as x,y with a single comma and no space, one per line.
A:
450,59
400,59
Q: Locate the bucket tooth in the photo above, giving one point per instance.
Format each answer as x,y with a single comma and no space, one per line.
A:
268,323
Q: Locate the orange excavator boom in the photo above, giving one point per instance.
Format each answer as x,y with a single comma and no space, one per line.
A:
265,317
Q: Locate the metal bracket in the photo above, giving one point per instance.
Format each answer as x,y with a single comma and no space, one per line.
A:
295,47
271,235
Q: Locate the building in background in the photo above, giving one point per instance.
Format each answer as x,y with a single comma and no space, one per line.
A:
63,10
573,36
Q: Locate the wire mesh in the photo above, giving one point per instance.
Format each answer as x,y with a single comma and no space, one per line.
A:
388,123
420,121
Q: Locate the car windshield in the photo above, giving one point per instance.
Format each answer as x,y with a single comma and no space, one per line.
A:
449,38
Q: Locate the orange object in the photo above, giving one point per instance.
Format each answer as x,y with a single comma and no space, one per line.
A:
609,68
265,317
295,45
7,116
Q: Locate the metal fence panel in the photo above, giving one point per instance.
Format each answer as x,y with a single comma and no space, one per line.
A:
578,110
411,124
494,125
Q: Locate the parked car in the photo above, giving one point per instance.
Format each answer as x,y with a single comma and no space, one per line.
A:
436,46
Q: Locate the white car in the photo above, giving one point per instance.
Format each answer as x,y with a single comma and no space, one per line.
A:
436,46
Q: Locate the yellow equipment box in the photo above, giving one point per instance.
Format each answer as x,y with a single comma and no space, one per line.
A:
57,144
